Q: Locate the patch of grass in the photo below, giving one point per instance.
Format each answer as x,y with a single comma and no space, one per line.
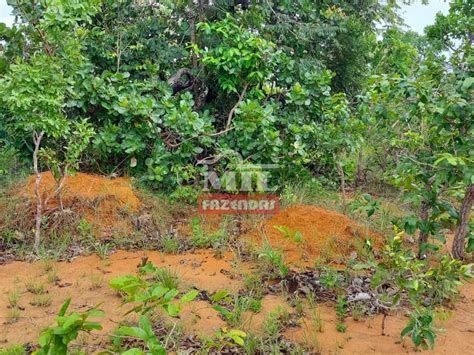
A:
85,229
41,300
52,275
335,247
13,350
239,305
102,250
57,240
297,304
185,194
13,298
341,327
47,264
271,262
97,281
255,305
329,278
35,287
254,285
202,239
170,245
167,277
315,314
275,322
309,192
341,312
358,312
13,315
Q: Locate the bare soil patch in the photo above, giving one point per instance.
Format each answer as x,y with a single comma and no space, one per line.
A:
79,279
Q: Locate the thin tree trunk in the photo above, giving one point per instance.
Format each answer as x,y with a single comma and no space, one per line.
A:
424,216
192,26
342,178
59,189
203,5
360,172
461,232
39,202
118,52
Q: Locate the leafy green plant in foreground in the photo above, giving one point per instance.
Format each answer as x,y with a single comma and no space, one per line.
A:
226,338
420,328
149,295
143,332
239,305
272,262
55,340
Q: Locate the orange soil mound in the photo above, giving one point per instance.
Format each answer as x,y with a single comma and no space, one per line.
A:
99,199
326,234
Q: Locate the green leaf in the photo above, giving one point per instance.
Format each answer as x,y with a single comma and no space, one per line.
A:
225,312
133,332
133,351
71,319
146,325
430,337
92,326
170,295
190,296
407,330
172,309
468,82
148,268
64,307
219,295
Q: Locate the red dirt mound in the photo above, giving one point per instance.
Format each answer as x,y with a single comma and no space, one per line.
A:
100,200
325,234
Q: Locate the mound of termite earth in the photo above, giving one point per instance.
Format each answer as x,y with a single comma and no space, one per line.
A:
308,233
103,202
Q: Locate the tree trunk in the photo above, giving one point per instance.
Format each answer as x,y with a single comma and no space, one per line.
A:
424,215
461,232
60,186
203,5
359,180
192,26
342,177
39,202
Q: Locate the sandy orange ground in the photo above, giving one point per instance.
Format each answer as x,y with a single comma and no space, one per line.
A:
206,272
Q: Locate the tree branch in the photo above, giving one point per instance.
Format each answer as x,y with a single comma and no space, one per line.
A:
232,111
